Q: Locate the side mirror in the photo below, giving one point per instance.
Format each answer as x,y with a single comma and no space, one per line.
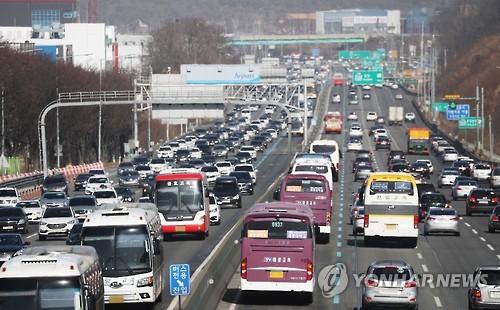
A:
276,195
27,243
316,230
156,247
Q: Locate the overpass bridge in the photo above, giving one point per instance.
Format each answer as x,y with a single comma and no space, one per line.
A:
243,40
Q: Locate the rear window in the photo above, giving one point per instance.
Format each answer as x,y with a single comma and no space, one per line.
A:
442,212
482,193
491,277
496,171
305,186
324,148
391,274
482,167
277,229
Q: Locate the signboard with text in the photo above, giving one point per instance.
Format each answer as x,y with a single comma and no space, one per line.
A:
439,106
180,279
470,123
462,111
364,77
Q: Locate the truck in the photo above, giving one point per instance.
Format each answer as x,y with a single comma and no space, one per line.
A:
419,141
297,124
396,116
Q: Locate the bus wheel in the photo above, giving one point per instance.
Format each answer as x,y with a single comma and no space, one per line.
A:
369,241
201,236
308,298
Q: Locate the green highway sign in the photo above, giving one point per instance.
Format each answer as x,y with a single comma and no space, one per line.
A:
364,77
380,53
439,106
470,122
355,54
370,62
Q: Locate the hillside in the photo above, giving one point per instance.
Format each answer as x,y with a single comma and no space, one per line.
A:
480,64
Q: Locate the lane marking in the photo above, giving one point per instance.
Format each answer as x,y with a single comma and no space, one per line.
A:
490,247
31,236
339,244
419,256
482,239
424,267
467,224
336,299
498,256
339,254
474,231
438,302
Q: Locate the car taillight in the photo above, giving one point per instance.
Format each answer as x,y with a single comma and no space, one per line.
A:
354,209
415,221
244,269
358,217
366,221
495,200
309,270
411,284
494,218
472,199
459,188
328,217
477,293
429,218
378,142
371,282
420,206
454,218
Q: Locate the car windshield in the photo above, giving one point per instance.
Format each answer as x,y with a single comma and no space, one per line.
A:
10,240
324,148
433,199
157,161
7,193
11,211
57,212
243,168
104,194
466,183
130,173
392,273
54,195
82,201
434,211
54,180
28,204
83,177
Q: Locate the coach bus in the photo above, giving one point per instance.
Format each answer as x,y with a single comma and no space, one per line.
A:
278,249
338,79
313,191
128,239
52,277
391,208
181,196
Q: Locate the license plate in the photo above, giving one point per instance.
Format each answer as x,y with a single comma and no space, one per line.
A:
180,228
276,274
495,294
391,226
8,227
118,299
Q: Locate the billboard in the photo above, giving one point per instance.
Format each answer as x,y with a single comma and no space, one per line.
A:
221,74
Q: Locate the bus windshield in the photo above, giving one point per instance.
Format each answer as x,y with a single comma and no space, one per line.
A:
39,293
312,168
389,187
305,186
277,229
182,197
123,251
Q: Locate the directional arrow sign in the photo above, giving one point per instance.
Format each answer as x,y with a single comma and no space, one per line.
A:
470,123
439,106
362,77
462,111
180,279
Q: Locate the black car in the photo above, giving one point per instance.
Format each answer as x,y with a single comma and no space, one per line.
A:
209,159
75,235
82,205
9,245
403,167
360,160
258,145
423,188
480,200
227,191
55,183
206,150
124,166
383,142
183,155
430,200
244,157
81,181
13,220
140,160
394,154
149,185
421,168
245,181
124,193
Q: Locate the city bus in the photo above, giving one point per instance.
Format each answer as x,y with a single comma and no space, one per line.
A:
128,239
181,196
391,208
278,249
52,277
333,122
313,191
338,79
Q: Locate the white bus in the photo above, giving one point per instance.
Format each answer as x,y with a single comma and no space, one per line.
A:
52,277
391,208
128,239
331,148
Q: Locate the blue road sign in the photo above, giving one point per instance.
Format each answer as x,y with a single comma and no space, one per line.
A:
462,111
180,279
315,52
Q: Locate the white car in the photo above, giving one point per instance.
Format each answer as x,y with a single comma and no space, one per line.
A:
380,132
225,167
32,208
366,87
158,164
352,116
371,116
495,178
196,153
428,162
481,171
165,151
214,210
56,221
273,132
356,131
250,149
336,98
354,145
410,117
212,173
97,182
450,156
398,97
394,86
250,169
9,196
462,188
269,110
106,196
447,177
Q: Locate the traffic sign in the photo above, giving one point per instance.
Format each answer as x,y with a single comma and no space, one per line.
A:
452,96
370,62
439,106
315,52
180,279
354,54
470,123
363,77
462,110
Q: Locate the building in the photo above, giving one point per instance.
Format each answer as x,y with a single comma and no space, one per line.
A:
358,21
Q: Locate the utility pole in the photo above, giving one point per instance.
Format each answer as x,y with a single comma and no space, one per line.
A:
3,132
433,77
478,143
491,137
482,118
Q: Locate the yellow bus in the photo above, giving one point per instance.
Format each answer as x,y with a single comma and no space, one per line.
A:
391,208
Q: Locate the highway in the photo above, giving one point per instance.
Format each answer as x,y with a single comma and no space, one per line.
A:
434,254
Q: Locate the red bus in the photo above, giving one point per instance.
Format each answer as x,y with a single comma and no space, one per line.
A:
313,191
181,196
338,79
278,249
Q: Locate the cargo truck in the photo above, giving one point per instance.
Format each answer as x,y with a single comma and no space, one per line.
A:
419,141
396,116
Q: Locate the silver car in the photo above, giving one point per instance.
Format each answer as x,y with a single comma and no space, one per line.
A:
444,220
363,171
447,177
462,188
495,178
485,293
358,222
389,283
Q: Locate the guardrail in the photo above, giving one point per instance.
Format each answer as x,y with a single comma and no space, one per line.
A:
210,280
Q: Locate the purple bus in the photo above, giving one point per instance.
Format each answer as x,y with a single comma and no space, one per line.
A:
278,249
313,191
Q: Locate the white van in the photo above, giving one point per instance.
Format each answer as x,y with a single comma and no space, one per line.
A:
331,148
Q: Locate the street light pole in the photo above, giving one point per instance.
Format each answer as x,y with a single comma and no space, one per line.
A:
3,132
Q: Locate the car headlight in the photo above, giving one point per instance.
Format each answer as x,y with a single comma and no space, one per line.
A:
70,222
42,223
237,197
21,222
145,282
